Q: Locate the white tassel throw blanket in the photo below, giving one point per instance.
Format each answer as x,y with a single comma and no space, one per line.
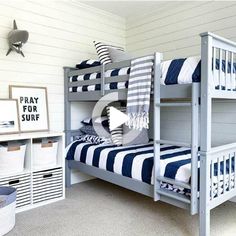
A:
139,90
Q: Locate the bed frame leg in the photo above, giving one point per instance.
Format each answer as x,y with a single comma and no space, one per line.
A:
204,219
68,175
204,209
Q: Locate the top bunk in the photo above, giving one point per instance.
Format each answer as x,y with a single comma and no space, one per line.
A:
214,70
93,83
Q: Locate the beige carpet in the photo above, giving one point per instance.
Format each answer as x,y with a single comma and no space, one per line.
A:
99,208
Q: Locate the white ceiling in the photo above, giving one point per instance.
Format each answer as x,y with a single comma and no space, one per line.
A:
125,8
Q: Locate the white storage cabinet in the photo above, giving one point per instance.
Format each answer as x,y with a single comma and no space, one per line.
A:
40,179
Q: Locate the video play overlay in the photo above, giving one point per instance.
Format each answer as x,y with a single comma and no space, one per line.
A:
117,120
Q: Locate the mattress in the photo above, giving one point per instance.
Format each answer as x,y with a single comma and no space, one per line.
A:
137,162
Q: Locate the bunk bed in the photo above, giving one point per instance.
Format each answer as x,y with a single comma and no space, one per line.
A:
206,188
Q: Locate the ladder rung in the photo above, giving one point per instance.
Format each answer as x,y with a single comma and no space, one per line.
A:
174,104
180,144
174,195
173,182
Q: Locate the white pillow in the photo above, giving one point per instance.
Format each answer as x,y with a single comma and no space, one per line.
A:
118,55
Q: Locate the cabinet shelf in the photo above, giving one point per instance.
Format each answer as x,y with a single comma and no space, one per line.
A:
25,181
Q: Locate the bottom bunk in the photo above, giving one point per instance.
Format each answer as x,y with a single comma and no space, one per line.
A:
132,167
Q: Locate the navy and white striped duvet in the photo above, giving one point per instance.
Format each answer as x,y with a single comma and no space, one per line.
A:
188,70
181,71
130,161
137,162
133,161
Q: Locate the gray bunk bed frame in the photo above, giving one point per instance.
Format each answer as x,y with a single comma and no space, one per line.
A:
199,97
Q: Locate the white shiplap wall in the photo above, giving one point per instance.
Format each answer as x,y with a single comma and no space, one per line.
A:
61,33
173,29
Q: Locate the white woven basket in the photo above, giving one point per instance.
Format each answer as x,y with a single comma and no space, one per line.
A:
45,155
12,159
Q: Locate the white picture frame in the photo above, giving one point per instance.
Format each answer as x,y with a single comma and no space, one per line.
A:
9,118
33,107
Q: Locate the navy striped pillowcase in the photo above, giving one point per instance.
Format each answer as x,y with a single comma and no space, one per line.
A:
88,64
103,52
116,134
93,139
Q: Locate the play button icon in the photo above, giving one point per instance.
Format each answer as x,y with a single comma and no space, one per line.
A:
117,118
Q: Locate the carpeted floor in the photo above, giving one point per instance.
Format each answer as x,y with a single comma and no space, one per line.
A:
99,208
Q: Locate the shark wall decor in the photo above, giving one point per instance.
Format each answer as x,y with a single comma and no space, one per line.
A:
16,39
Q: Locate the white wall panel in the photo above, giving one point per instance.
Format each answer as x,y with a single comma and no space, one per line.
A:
61,33
174,30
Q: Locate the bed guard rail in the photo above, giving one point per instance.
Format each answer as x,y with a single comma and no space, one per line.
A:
218,66
218,170
217,181
100,77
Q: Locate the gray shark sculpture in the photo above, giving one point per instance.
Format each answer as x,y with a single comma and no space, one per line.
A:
16,39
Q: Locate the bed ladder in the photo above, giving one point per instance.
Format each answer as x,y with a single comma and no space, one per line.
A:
164,194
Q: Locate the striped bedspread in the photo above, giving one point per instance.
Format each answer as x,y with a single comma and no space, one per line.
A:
137,162
133,161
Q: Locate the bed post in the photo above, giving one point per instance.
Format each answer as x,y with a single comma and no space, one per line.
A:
157,100
206,114
194,148
67,120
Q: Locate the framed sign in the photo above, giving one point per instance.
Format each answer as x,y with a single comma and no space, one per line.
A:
9,117
33,107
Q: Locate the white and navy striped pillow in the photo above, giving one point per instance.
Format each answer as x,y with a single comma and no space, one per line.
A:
117,133
103,52
93,139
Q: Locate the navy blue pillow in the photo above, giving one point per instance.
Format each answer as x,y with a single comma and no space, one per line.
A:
88,64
